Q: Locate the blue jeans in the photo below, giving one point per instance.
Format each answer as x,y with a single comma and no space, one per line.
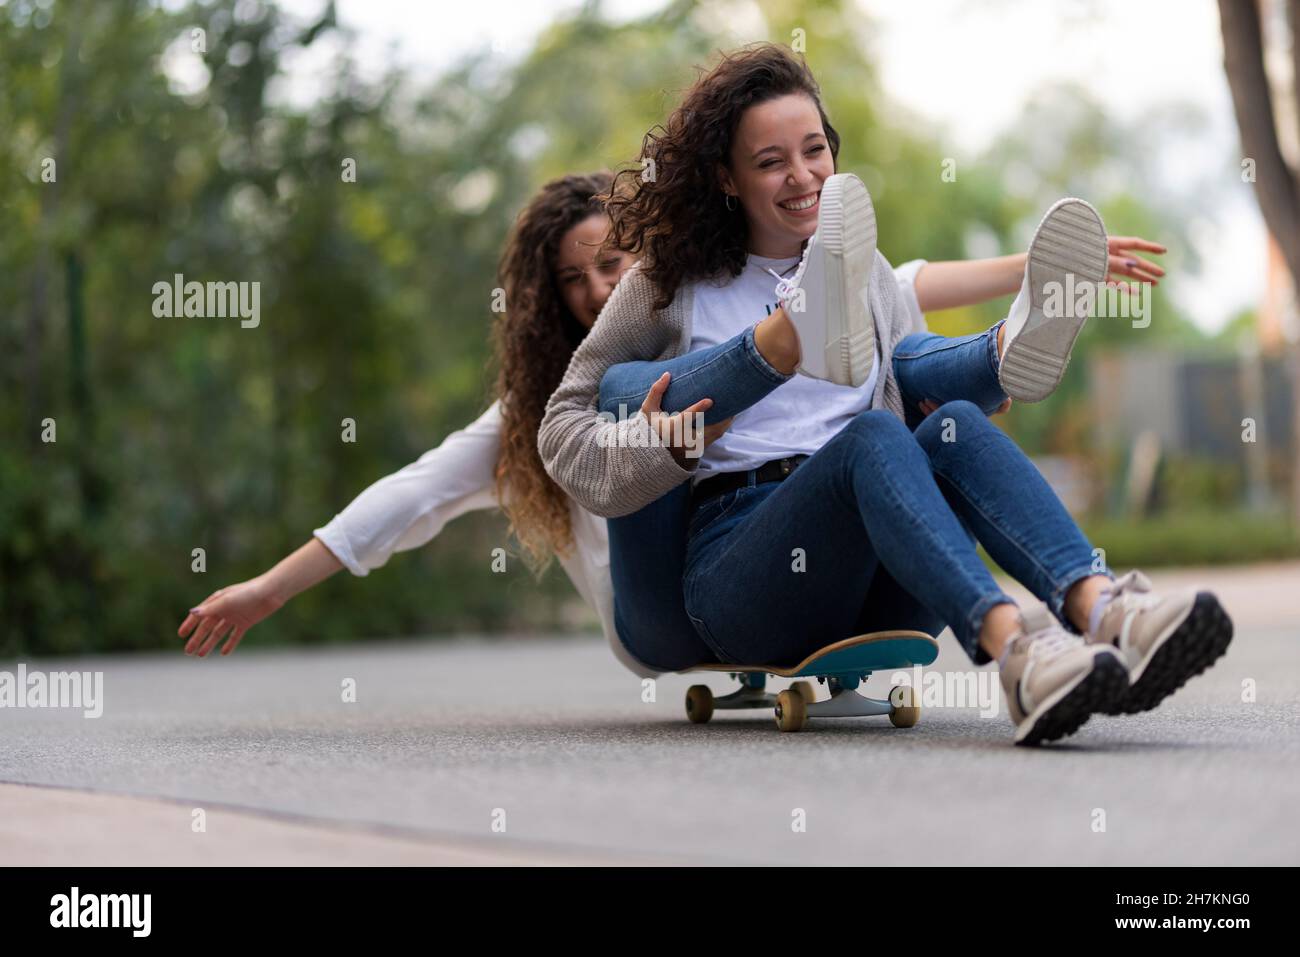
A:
941,369
647,549
874,531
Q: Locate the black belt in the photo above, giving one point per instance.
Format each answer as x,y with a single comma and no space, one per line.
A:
777,470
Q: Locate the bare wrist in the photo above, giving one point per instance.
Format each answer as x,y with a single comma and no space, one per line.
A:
273,587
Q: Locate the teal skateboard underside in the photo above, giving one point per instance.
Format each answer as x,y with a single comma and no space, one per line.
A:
876,656
851,657
842,667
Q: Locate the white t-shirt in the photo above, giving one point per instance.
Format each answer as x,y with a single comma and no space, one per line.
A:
798,417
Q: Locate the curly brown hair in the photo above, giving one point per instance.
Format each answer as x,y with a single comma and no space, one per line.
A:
533,341
678,218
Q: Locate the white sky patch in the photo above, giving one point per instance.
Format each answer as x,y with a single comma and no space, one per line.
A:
966,67
970,67
426,36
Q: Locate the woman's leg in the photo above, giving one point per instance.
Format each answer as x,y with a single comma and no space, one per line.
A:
1015,515
964,371
943,369
647,552
739,372
1013,512
776,571
961,376
734,374
648,548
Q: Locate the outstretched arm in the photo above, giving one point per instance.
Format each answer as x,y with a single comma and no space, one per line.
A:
947,285
229,612
401,511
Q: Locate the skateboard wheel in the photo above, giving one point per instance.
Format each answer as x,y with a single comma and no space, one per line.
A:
805,688
699,704
904,706
791,711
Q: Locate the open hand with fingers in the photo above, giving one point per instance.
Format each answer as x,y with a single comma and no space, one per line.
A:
1125,263
228,613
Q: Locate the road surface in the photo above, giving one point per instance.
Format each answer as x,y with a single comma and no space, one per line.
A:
542,750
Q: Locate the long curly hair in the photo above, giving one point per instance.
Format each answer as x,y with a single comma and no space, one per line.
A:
533,341
670,207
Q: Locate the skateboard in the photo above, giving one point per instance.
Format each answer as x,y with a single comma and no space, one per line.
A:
841,666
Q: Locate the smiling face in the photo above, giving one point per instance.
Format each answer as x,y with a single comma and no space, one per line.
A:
586,276
779,159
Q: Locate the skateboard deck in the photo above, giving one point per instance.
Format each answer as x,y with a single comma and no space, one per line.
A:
841,666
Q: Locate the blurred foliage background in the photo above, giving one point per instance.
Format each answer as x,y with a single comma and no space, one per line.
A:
182,433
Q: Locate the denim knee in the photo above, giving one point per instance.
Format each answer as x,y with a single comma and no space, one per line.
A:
888,440
880,424
962,411
965,418
885,432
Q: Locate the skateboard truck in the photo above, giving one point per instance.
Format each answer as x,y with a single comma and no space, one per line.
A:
700,705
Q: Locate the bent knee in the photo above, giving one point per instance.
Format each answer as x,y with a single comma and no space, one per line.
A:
942,427
960,410
880,428
877,422
882,432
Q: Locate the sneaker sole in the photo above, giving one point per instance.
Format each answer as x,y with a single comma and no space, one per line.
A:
1200,641
847,227
1070,240
1065,712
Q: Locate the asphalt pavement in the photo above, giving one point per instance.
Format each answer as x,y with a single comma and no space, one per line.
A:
544,750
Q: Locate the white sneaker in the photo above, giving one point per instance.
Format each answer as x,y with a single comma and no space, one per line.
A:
1069,249
826,299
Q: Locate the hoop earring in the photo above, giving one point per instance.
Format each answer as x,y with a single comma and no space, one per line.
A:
731,203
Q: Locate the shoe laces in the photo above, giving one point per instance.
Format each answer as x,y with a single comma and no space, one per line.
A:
1051,641
1133,591
786,288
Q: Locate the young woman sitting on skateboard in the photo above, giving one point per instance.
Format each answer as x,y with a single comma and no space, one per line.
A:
818,514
